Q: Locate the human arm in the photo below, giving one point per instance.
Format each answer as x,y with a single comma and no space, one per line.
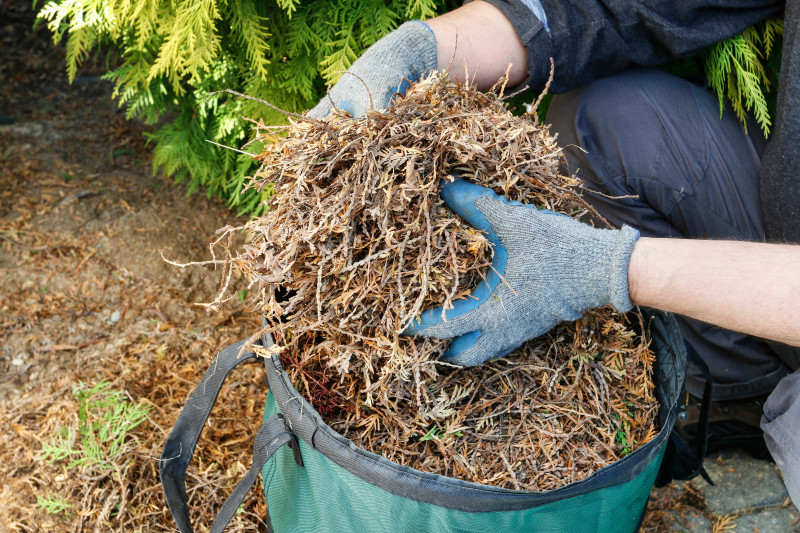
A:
749,287
476,40
549,268
587,39
590,39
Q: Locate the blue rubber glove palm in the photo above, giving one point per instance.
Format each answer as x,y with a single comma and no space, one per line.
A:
384,70
553,269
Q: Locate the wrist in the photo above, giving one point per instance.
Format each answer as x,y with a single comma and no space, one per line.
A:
621,254
637,270
426,25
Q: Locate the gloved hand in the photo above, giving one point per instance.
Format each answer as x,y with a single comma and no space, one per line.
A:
553,269
405,54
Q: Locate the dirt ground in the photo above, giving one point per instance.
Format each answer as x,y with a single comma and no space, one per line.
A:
87,298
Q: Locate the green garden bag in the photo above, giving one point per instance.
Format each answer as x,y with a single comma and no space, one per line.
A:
315,480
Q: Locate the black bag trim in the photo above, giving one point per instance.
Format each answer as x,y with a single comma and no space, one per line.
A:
305,422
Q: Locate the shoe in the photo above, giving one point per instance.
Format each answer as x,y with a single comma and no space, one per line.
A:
731,424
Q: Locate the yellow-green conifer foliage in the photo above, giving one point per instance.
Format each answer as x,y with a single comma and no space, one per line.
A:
176,53
743,70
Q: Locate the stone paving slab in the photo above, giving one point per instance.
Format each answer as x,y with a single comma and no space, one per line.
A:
768,520
748,496
742,484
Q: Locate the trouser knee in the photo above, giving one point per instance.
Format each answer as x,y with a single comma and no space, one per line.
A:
655,154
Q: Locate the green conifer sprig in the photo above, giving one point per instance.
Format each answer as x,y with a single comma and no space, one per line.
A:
739,70
176,53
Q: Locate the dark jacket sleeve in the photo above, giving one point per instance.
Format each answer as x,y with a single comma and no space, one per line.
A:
780,166
589,39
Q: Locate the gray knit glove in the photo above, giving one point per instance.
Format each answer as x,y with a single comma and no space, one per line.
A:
388,67
553,269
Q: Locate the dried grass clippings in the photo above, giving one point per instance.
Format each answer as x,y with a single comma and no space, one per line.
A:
357,243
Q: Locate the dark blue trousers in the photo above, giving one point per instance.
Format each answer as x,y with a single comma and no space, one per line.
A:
656,155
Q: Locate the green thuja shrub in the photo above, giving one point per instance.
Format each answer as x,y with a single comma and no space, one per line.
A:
744,70
176,54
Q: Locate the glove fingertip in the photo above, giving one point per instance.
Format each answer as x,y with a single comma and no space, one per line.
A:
460,195
461,350
475,349
399,89
352,108
427,319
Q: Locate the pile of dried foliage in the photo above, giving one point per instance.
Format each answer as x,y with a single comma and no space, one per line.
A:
358,236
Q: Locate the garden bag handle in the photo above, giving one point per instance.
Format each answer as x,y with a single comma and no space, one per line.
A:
680,460
183,438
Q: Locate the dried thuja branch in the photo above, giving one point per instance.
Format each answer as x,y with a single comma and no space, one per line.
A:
357,218
357,242
550,415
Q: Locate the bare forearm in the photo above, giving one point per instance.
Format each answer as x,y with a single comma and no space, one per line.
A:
478,40
749,287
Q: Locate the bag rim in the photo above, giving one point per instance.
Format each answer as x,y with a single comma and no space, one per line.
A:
304,421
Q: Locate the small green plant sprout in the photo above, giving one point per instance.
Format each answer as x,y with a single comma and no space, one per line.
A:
105,419
622,436
53,505
437,433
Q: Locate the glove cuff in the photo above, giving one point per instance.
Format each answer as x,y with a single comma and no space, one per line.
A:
620,258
